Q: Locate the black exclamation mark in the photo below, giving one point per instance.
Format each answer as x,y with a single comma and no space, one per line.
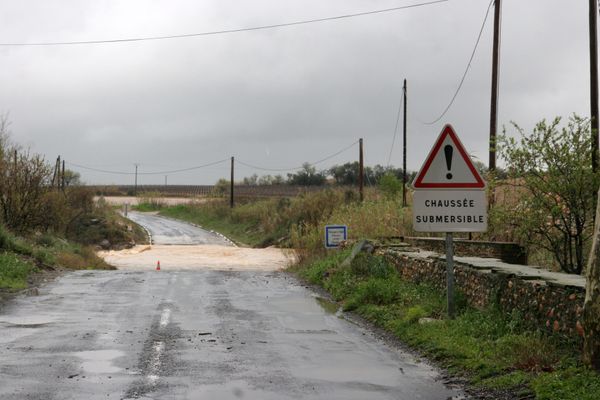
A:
448,152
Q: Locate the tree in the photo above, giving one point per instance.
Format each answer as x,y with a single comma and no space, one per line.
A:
271,180
390,185
251,180
221,187
307,176
72,178
345,174
556,185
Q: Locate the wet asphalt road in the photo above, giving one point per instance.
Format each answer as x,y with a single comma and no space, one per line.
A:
203,334
169,231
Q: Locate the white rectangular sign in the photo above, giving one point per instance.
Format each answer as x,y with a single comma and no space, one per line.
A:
335,235
450,211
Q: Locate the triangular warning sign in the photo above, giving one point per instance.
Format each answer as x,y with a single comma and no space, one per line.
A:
448,166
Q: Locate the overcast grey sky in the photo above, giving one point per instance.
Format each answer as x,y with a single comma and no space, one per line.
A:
276,98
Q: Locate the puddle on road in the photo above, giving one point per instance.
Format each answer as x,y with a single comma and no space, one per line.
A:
329,306
238,389
99,361
31,321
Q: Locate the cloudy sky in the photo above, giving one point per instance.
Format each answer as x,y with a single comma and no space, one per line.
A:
279,97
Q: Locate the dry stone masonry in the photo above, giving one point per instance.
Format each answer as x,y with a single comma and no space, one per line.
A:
549,301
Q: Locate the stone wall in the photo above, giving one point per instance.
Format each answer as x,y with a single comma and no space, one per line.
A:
508,252
543,300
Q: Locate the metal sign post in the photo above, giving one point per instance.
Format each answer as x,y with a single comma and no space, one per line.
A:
450,273
449,197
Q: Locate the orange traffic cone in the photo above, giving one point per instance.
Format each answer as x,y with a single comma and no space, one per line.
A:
158,265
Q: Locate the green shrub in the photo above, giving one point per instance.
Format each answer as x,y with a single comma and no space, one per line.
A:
390,185
415,313
570,384
373,291
13,271
44,256
365,264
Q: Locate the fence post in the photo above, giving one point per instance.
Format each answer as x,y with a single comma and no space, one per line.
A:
361,170
231,203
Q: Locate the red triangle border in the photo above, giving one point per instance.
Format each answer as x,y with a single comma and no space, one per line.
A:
448,131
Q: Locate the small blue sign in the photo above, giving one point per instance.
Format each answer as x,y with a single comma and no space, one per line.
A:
334,235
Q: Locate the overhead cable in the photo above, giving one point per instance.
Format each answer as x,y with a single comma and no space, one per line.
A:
396,128
466,69
225,31
297,168
174,171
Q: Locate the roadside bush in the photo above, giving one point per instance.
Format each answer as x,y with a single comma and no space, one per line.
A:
390,186
556,185
376,291
369,219
13,271
367,265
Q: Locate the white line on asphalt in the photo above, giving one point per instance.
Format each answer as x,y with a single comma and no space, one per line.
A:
165,317
155,362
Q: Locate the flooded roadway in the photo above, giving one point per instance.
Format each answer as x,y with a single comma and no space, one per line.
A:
201,333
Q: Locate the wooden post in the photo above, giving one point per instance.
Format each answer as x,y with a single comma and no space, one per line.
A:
404,178
135,185
361,170
62,179
231,202
594,81
56,176
494,102
450,274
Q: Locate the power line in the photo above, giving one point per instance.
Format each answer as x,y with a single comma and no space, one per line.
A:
226,31
296,168
466,69
396,128
146,173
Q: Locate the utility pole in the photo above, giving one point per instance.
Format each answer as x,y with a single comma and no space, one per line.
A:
494,103
404,151
231,184
594,81
361,170
56,176
166,183
135,186
62,179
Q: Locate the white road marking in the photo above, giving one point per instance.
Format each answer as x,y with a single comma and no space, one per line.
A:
165,317
155,362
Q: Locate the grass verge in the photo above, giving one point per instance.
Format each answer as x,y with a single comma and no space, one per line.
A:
493,350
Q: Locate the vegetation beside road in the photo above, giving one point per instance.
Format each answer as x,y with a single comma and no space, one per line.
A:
22,255
296,222
47,220
490,349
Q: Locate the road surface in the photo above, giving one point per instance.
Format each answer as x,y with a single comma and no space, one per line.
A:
167,231
225,333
